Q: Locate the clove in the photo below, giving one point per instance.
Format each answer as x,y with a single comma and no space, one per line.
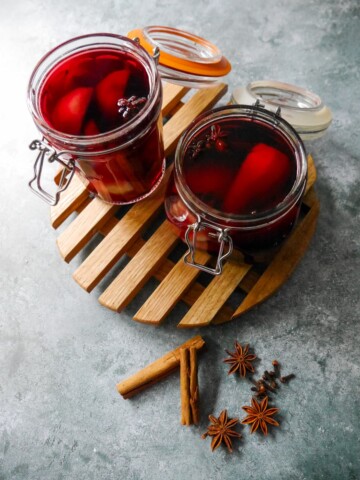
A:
287,378
268,387
270,378
276,366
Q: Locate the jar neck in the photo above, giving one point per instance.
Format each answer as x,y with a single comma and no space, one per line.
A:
234,221
123,134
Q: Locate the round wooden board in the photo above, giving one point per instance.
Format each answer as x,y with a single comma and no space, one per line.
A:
123,231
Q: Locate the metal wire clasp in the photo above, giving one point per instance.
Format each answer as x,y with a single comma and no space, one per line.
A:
48,153
156,55
222,237
156,51
276,114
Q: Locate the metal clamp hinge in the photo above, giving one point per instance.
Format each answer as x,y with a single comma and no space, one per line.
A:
48,153
276,114
156,55
258,104
223,238
156,51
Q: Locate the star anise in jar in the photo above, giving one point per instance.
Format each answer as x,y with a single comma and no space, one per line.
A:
216,136
259,415
221,429
240,360
129,107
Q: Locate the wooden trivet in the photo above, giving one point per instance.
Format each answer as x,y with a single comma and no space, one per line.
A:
123,230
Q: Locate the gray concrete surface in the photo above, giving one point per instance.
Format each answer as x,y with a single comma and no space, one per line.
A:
62,353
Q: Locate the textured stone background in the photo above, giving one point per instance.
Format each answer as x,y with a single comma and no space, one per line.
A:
62,353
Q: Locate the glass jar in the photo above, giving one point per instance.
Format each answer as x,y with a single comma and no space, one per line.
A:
238,180
80,82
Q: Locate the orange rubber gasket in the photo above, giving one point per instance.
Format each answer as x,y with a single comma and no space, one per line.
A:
217,69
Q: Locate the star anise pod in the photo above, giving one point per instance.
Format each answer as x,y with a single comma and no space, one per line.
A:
216,136
221,430
259,415
207,141
240,360
216,133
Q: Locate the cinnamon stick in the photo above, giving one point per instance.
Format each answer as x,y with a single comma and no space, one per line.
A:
194,387
185,387
189,389
157,370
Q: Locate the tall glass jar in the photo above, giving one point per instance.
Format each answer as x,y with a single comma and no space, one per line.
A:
122,162
239,177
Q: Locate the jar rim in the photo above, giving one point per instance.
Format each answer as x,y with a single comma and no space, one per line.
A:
80,44
241,221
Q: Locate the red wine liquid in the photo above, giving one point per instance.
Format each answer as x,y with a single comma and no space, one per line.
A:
239,168
80,96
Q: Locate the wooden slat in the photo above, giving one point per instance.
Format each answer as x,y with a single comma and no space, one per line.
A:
215,295
80,231
70,200
311,174
170,291
310,198
197,104
224,315
283,264
58,175
172,94
140,268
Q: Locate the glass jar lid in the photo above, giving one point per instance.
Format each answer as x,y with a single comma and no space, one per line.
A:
303,109
184,57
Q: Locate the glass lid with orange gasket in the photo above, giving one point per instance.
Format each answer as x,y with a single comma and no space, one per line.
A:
184,58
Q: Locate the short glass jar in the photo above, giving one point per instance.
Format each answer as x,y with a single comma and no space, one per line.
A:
79,82
239,177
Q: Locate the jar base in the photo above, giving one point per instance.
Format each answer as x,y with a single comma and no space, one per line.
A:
137,199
